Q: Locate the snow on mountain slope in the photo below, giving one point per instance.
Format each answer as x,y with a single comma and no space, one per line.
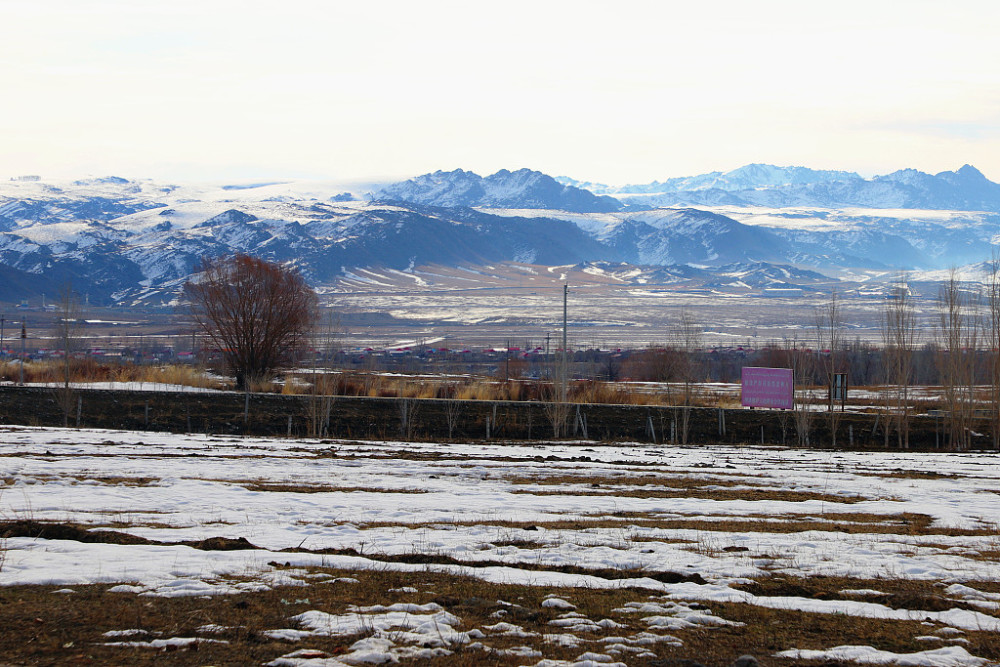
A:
749,177
504,189
707,238
598,225
767,185
913,238
124,239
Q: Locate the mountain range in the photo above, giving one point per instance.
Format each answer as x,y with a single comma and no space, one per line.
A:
126,241
505,189
766,185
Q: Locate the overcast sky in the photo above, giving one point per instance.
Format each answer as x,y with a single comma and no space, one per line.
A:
616,92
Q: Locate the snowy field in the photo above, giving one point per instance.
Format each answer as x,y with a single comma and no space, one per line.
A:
696,542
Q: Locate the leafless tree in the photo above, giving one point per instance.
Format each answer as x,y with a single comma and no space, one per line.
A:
803,362
830,338
556,409
687,339
899,333
256,312
453,408
326,385
408,409
992,330
957,332
67,332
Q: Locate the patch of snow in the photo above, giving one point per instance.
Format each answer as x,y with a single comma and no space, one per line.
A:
949,656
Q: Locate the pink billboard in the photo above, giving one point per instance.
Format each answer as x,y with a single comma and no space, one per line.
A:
767,388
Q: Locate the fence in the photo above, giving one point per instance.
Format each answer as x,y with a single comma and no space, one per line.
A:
435,419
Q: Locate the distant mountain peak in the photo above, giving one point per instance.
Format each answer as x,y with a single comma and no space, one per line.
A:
970,173
752,176
524,188
759,184
135,242
104,180
228,217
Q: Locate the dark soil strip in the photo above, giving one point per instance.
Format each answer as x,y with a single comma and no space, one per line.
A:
65,531
440,559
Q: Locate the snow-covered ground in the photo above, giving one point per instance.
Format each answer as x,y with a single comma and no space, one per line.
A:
500,504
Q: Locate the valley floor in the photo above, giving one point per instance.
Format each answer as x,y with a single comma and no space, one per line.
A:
127,548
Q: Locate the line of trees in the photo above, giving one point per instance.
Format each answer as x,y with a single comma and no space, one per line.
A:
965,351
962,359
256,312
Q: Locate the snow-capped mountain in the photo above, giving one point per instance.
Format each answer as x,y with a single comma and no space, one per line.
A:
69,233
505,189
749,177
135,241
766,185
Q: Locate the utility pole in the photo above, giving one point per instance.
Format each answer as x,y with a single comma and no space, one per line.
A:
24,337
506,371
2,318
565,367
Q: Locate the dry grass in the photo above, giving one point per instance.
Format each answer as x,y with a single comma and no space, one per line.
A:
417,390
106,480
188,376
482,391
4,534
266,486
912,474
53,371
116,480
315,488
857,523
48,628
88,370
911,594
632,477
783,495
654,486
42,627
493,389
374,384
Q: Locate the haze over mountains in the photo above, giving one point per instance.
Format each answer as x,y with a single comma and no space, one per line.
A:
766,185
752,185
134,241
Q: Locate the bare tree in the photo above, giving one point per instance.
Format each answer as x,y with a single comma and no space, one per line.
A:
256,312
326,385
556,409
992,327
803,362
830,337
67,332
687,337
453,408
899,332
957,332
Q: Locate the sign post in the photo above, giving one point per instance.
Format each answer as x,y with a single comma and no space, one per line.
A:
767,388
838,390
24,339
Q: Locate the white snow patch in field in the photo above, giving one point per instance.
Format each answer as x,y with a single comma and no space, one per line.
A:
458,500
949,656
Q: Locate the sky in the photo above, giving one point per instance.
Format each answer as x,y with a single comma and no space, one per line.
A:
623,92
